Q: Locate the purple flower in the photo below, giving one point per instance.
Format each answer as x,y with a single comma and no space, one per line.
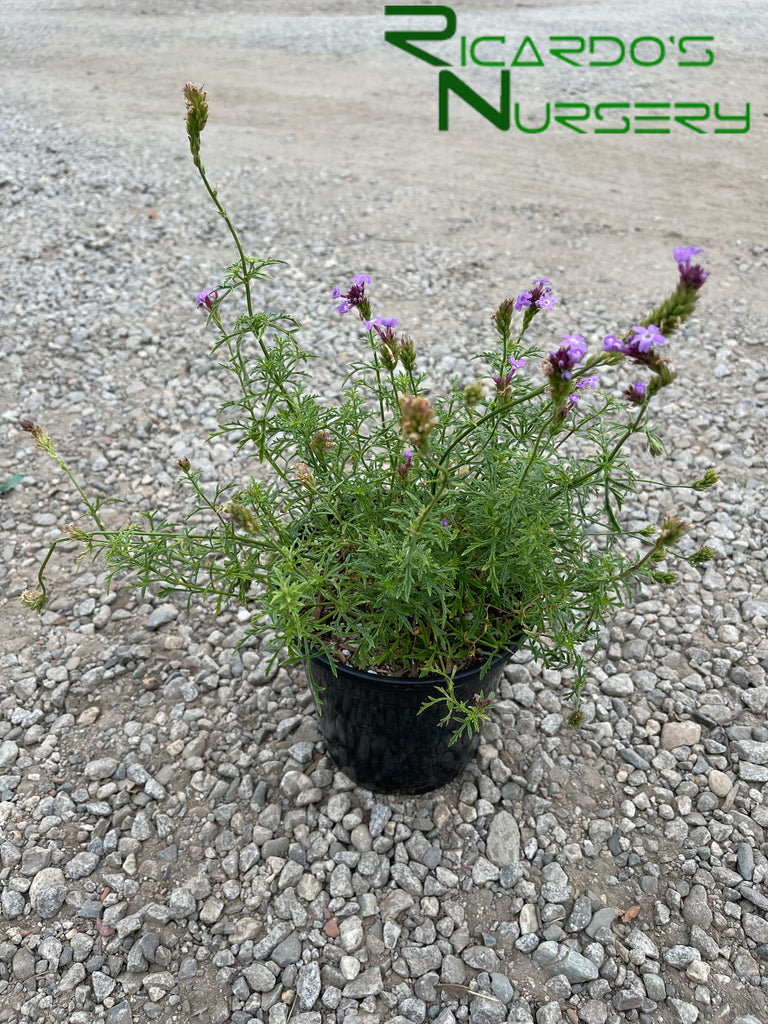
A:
692,275
638,345
384,326
501,382
355,296
644,337
206,299
567,356
539,297
588,382
572,400
684,254
445,522
635,393
403,468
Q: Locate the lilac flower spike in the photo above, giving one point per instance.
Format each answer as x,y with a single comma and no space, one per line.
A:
355,296
692,275
206,299
567,356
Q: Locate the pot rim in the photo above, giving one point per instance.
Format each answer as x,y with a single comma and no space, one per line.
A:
397,681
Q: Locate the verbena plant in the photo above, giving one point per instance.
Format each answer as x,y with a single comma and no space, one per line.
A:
402,532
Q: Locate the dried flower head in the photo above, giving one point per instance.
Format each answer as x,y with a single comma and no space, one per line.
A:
418,419
34,599
241,516
672,529
305,476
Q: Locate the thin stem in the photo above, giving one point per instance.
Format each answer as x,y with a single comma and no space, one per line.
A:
223,213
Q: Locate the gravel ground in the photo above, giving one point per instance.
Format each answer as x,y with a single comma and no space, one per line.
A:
174,843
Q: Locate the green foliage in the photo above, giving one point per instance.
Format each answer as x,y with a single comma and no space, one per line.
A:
411,534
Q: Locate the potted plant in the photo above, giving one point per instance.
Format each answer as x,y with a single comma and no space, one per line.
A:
404,543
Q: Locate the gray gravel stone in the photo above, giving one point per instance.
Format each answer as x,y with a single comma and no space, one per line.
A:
563,960
695,908
259,978
655,987
502,846
367,983
681,956
580,916
161,616
308,985
81,865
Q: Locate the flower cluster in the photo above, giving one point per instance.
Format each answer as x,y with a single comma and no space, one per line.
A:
637,345
355,297
691,275
562,362
538,297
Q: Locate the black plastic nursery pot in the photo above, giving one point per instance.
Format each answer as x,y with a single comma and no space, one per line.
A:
374,733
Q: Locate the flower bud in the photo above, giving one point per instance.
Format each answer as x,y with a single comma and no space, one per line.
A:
305,476
502,318
320,443
473,393
388,357
407,352
418,419
709,479
705,554
655,445
197,114
241,516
